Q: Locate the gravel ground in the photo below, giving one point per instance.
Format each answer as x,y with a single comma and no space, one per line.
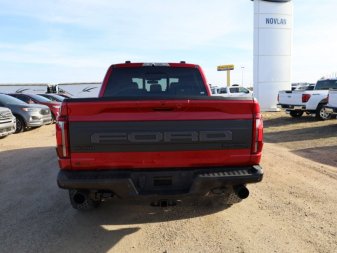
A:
294,209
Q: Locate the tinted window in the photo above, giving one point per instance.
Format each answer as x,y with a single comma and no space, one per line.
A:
326,85
223,90
7,100
23,98
155,81
39,98
53,97
234,90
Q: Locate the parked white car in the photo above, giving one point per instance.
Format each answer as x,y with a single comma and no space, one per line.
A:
231,91
331,107
312,102
7,122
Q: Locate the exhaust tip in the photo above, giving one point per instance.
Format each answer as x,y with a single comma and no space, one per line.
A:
79,198
241,191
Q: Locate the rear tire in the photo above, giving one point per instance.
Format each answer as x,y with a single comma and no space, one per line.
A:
321,114
296,114
80,200
20,125
53,117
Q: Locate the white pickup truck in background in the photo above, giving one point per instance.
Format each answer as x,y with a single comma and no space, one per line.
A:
311,102
331,107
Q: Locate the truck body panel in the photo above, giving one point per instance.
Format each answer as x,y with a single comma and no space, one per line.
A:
291,98
125,128
331,106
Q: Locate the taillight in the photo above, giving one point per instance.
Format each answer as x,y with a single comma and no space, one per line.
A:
257,143
62,147
305,98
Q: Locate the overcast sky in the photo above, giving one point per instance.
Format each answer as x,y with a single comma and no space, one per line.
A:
76,40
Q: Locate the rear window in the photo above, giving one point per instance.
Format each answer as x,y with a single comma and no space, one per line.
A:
326,85
155,81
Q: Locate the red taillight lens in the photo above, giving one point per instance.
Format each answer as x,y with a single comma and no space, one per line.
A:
258,136
62,147
62,138
257,143
305,98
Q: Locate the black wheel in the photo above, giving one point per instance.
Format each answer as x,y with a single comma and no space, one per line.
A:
53,118
296,114
321,114
81,200
20,125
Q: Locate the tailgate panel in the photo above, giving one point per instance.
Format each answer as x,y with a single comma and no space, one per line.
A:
160,134
293,98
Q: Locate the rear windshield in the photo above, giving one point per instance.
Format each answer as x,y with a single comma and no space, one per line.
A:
326,85
155,81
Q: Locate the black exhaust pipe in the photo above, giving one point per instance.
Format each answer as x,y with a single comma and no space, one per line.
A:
241,191
80,197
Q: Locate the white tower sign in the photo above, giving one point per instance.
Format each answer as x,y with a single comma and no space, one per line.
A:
273,22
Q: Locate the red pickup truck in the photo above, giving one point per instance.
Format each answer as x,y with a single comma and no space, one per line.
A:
156,132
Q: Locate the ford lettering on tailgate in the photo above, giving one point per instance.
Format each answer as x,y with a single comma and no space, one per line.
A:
154,136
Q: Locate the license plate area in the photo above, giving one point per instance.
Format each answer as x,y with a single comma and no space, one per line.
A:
164,182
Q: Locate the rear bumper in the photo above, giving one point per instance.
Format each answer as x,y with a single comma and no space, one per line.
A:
291,107
128,183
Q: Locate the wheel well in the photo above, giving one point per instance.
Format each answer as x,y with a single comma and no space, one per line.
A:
323,101
20,117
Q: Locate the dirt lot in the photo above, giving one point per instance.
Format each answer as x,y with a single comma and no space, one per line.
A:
293,210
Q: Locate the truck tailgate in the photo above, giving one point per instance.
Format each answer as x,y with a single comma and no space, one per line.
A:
160,134
290,98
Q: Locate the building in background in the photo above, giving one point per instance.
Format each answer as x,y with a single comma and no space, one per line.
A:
273,23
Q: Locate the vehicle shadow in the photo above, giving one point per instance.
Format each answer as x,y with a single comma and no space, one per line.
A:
36,215
325,155
286,120
302,134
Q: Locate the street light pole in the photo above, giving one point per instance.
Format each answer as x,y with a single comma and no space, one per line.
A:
242,68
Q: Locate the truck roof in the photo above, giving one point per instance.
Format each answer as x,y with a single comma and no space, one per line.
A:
129,64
